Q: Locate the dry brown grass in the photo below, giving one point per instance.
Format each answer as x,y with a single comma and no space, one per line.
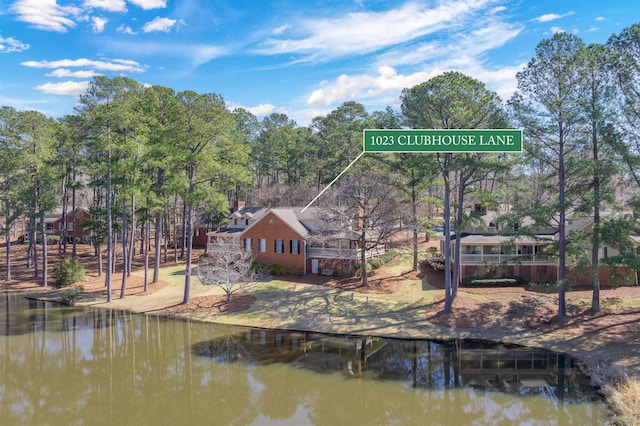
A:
624,399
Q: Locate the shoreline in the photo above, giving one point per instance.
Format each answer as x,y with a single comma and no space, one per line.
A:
410,313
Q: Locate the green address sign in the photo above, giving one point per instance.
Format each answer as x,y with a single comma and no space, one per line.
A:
442,140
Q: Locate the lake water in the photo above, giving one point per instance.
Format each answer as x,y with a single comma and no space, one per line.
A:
74,366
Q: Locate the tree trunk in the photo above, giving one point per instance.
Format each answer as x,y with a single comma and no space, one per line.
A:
174,222
125,248
74,243
99,253
146,240
458,247
562,250
189,234
7,243
414,219
158,231
62,243
132,238
45,259
363,258
109,268
595,247
183,235
448,300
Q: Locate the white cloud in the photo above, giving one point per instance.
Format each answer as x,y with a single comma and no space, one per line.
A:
600,19
498,9
462,48
261,110
108,5
458,48
159,25
98,24
150,4
366,32
552,17
117,65
556,30
11,44
64,72
281,29
363,86
195,54
46,14
73,88
389,81
124,29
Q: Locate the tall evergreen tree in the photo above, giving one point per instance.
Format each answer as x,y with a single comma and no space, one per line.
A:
11,177
548,107
205,141
40,195
455,101
106,107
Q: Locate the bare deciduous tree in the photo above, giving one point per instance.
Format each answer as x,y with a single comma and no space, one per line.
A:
228,269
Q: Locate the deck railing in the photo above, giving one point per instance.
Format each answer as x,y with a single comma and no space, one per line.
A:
344,253
506,258
314,252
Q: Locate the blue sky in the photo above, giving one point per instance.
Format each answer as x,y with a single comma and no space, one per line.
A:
302,58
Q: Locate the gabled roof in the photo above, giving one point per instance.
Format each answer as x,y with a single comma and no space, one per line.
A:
290,217
249,213
311,221
252,213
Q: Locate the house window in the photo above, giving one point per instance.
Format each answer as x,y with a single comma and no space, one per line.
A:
294,246
235,221
278,246
246,222
247,244
605,252
262,245
197,232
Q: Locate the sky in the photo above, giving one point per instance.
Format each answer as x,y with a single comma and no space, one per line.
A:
297,57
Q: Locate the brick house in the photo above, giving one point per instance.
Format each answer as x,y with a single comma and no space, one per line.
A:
316,241
489,249
75,217
54,224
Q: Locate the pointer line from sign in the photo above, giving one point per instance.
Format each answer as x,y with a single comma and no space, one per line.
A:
333,181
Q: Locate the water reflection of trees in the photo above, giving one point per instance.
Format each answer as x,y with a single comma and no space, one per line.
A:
110,367
422,363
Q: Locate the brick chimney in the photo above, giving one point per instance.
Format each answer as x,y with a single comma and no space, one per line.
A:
238,205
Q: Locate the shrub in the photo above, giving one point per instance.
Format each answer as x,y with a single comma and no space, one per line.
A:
376,262
277,269
550,288
492,282
70,294
68,272
388,256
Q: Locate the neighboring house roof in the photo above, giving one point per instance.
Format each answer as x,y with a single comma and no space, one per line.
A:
488,239
474,235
